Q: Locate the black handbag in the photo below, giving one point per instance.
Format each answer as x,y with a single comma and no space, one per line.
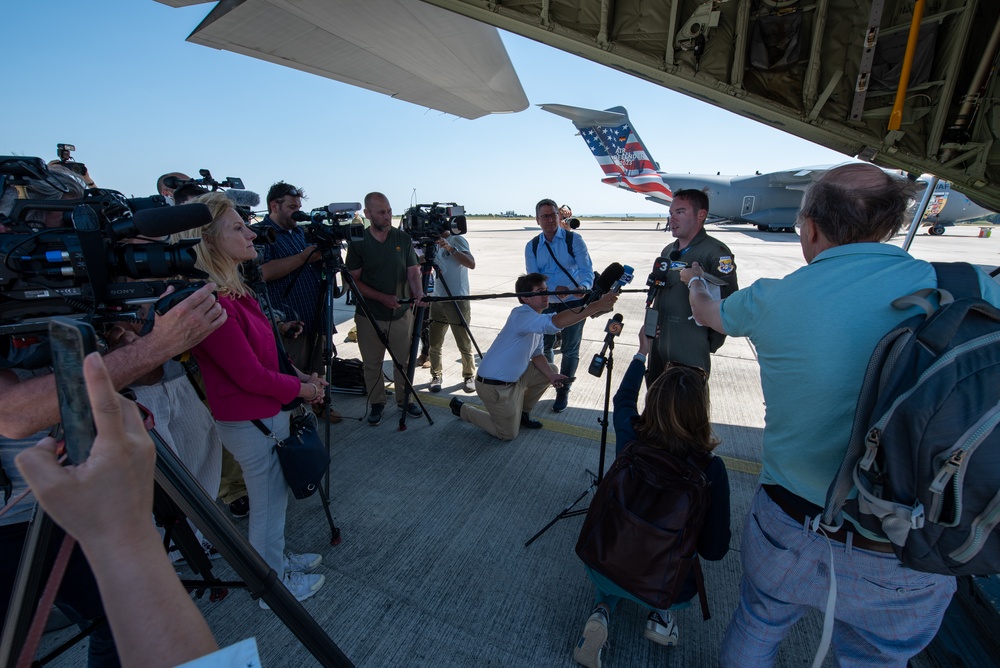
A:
304,459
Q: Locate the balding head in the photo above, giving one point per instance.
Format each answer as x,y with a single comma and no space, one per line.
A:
857,203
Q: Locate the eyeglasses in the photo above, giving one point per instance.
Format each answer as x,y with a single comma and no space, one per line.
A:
547,216
697,369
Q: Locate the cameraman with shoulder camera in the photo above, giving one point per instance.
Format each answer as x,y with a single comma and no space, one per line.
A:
293,281
31,409
384,266
453,261
163,189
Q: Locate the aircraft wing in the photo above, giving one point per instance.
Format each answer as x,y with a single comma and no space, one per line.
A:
826,71
403,48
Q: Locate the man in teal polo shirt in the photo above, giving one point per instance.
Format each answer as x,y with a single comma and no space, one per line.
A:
814,331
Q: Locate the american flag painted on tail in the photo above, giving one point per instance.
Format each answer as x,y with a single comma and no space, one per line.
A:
624,159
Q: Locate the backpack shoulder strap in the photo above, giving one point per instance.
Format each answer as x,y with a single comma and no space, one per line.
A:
569,243
534,246
958,278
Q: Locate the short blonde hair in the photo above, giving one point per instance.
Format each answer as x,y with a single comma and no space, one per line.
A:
221,269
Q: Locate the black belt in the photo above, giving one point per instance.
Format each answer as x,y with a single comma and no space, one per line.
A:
792,505
491,381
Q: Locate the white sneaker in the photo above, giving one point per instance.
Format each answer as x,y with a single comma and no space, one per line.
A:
662,631
301,586
301,563
593,641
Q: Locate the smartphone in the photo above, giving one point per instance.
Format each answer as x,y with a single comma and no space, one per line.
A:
71,341
650,323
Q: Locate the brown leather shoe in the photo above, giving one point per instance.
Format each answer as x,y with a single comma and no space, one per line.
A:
329,414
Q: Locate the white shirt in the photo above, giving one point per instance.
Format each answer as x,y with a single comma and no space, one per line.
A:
515,345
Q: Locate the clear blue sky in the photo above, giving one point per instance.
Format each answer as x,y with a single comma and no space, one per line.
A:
117,79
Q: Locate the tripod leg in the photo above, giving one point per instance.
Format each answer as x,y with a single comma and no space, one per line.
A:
181,487
564,513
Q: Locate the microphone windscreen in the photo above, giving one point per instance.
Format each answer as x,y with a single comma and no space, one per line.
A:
247,198
608,277
337,207
660,268
618,317
163,220
301,217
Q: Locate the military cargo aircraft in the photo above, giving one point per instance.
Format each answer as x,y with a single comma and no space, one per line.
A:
769,201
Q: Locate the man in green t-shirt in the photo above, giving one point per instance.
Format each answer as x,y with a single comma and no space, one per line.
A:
385,269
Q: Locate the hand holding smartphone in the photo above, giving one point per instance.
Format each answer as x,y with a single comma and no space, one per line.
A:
71,341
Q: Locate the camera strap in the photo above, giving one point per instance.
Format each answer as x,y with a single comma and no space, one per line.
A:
559,264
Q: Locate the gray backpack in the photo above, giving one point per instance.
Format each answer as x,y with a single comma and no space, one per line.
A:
924,452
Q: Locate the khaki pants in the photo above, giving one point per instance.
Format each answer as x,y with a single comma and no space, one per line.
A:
505,403
373,353
443,316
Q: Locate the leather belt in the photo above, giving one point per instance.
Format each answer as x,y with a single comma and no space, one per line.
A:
491,381
792,504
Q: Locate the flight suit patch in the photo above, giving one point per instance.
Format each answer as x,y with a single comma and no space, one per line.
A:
726,265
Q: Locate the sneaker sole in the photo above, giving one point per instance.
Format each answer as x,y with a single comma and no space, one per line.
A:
659,638
590,645
322,580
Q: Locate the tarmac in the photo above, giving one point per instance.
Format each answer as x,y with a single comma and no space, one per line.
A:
433,569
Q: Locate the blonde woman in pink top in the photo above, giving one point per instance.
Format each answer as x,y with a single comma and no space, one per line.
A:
243,382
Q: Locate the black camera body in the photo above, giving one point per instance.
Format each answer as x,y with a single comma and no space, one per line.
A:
205,181
48,271
330,226
430,221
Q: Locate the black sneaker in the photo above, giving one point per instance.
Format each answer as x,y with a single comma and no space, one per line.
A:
240,508
562,400
375,415
413,410
456,406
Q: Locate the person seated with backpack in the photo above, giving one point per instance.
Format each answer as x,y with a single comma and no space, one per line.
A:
673,438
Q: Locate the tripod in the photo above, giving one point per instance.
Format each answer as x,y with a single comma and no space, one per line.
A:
177,483
606,358
429,249
335,264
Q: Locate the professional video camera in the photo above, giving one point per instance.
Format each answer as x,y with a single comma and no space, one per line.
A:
429,221
206,180
328,225
48,270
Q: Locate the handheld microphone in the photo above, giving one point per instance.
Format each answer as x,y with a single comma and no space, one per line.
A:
605,282
657,279
247,198
161,221
613,328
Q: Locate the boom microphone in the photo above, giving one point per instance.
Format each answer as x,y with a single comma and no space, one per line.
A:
338,207
247,198
161,221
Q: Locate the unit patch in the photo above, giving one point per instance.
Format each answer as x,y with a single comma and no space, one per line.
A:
726,265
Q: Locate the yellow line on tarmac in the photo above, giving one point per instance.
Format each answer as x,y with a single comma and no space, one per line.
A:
591,434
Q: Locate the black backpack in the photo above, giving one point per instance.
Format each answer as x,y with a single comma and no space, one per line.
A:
569,244
924,452
642,528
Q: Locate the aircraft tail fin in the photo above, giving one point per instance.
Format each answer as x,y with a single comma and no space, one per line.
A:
618,149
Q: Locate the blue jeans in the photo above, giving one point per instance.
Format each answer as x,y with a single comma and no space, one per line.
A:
571,337
885,613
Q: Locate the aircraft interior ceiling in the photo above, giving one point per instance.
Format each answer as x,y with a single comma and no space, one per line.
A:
796,65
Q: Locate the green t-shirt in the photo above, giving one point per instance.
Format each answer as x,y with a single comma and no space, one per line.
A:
383,267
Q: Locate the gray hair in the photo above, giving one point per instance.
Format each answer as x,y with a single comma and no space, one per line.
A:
857,203
59,183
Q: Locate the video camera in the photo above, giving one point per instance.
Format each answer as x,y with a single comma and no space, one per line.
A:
65,154
68,270
429,221
327,226
206,180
